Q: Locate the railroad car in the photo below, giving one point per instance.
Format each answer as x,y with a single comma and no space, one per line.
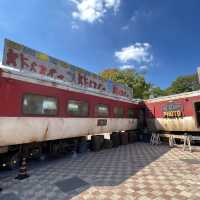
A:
176,113
44,114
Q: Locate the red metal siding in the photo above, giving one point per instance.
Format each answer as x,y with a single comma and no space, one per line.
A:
187,103
12,92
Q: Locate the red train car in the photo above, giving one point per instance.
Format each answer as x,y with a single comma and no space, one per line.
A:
175,113
45,103
34,112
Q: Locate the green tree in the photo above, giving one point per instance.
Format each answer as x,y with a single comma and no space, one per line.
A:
184,84
134,80
157,92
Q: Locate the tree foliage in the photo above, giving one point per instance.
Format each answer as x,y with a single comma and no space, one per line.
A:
184,84
134,80
157,92
143,90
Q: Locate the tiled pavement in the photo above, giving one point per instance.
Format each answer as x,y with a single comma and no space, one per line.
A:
135,171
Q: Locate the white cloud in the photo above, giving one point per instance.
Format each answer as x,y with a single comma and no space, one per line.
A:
143,67
113,4
138,52
126,67
93,10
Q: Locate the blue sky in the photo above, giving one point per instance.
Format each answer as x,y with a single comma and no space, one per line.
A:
159,37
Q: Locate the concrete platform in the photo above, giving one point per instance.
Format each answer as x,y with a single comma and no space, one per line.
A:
135,171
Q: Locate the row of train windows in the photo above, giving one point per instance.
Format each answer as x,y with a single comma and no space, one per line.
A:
42,105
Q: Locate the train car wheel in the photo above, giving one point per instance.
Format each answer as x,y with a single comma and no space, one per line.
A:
36,153
13,162
43,157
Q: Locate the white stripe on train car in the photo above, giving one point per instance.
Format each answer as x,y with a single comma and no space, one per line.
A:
174,124
174,97
18,130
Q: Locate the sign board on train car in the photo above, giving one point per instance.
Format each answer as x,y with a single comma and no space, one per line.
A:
173,110
26,59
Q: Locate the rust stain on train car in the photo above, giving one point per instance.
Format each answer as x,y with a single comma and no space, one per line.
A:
176,124
46,132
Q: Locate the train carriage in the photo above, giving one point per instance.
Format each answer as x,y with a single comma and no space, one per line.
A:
175,113
46,103
34,112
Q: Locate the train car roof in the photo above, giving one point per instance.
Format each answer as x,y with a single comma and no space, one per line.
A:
46,81
174,96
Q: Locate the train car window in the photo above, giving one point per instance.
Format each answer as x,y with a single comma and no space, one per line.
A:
77,108
197,111
118,112
130,113
39,105
101,110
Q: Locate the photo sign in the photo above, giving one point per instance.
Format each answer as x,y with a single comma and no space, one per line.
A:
173,110
28,60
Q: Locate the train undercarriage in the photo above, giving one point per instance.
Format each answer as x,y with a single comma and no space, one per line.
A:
10,157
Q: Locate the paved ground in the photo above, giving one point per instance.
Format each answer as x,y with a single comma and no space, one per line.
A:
135,171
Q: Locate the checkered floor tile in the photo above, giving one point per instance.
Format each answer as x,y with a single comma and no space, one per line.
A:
136,171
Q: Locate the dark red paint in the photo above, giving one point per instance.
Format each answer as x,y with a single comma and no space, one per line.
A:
155,109
12,91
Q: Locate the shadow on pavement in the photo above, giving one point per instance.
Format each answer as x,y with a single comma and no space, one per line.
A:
67,177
